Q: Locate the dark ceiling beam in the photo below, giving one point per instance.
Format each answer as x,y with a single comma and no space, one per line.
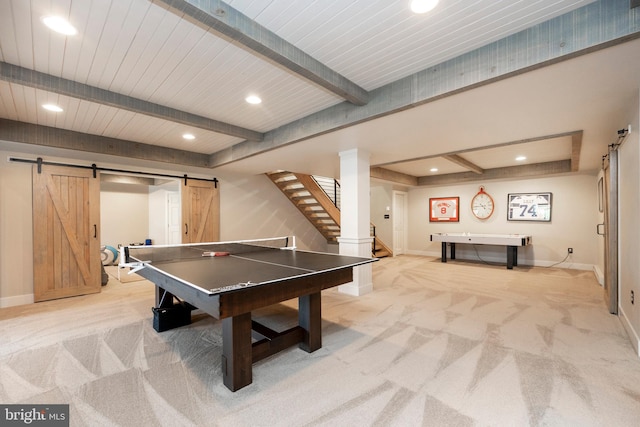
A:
45,136
606,23
576,147
510,173
35,79
460,161
393,176
226,22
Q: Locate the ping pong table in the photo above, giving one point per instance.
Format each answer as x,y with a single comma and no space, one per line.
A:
229,280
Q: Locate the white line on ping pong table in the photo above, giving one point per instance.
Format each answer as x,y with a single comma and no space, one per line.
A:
272,263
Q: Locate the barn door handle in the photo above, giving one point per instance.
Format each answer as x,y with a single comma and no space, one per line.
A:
95,231
186,228
598,229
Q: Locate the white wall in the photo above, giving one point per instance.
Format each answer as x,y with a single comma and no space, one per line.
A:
573,221
124,213
629,229
132,213
16,235
251,207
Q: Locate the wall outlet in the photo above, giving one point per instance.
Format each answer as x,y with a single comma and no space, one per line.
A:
570,250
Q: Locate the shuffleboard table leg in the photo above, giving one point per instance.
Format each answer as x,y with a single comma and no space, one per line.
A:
310,319
444,251
236,351
510,257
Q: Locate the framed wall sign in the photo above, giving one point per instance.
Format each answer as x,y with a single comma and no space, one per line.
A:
529,207
444,209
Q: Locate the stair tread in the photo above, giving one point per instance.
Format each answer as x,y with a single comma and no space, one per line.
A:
304,200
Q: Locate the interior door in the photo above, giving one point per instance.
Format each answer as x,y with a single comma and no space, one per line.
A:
399,222
611,230
200,211
66,248
173,219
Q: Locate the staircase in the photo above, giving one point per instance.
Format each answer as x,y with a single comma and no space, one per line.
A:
318,199
379,249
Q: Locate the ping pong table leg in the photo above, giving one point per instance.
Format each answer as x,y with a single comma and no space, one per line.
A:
236,351
310,319
163,298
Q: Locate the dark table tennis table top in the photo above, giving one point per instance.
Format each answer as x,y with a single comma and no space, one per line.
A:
244,266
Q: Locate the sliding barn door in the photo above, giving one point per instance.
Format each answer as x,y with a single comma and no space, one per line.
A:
66,248
200,211
611,230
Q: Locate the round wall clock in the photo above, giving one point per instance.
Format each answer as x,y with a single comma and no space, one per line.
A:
482,204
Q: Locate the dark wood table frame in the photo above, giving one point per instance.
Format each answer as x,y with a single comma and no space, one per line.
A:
234,309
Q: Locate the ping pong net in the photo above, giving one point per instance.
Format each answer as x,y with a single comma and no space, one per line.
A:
137,256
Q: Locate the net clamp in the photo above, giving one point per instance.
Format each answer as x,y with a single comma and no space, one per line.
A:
125,261
137,267
134,266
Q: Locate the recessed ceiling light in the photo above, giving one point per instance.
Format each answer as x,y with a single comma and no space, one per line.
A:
433,170
253,99
521,158
59,25
52,107
188,136
423,6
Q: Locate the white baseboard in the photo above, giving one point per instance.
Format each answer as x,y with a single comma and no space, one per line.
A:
631,332
353,289
569,265
17,300
599,275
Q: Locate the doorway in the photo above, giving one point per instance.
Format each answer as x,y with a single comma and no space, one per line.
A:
400,220
173,236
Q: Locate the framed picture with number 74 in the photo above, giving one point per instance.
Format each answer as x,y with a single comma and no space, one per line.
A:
529,207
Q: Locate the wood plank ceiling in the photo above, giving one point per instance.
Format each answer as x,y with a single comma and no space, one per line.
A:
148,71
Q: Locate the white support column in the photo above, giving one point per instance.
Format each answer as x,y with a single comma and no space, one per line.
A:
355,218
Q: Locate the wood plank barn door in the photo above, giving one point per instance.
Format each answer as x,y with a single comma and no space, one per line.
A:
200,211
66,248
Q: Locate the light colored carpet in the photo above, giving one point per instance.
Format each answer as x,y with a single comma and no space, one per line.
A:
454,344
